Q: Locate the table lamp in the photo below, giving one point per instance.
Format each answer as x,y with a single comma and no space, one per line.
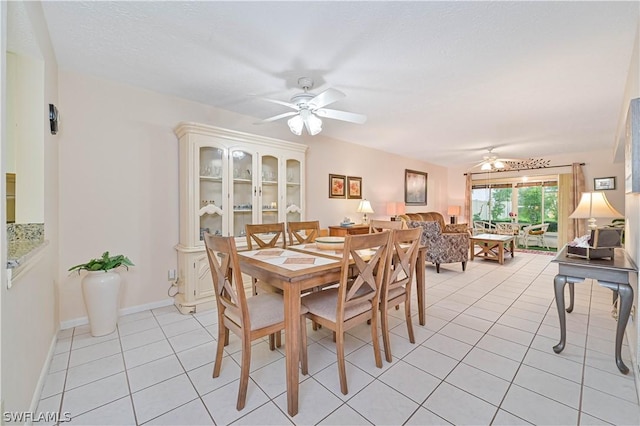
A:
394,209
454,211
365,207
593,205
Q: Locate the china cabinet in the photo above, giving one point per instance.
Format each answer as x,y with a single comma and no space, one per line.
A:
229,179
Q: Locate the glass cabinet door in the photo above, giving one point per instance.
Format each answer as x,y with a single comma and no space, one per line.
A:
243,190
268,190
211,190
293,195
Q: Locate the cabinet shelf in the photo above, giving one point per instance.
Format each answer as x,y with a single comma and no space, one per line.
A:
211,178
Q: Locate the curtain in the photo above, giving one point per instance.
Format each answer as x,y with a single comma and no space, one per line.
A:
467,200
577,227
565,205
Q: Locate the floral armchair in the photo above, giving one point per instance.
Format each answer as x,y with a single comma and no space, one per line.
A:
443,247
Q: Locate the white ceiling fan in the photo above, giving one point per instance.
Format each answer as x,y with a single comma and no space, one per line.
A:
492,162
309,109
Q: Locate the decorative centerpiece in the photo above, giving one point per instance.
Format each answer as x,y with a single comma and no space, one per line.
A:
330,243
100,291
513,216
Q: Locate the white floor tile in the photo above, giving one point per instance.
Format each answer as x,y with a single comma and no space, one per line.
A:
198,355
549,385
189,340
432,362
537,409
267,414
448,346
459,407
314,403
356,380
202,377
147,353
95,394
94,370
422,417
221,403
163,397
491,363
605,406
191,413
344,416
94,352
479,383
53,384
137,326
502,347
132,341
504,418
85,340
383,405
154,372
410,381
119,412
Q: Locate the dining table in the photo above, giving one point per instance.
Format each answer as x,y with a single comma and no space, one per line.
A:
294,270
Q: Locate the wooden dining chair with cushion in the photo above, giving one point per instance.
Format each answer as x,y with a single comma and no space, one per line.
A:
267,235
357,297
303,232
384,225
534,233
249,318
396,287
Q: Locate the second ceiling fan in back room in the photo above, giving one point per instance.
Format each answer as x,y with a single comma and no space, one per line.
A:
309,109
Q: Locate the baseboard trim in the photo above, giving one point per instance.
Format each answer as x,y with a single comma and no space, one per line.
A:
35,400
124,311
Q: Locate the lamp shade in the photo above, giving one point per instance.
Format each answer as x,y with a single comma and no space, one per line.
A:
454,210
364,207
400,208
391,209
593,205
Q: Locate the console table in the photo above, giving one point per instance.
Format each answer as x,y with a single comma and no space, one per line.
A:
610,273
341,231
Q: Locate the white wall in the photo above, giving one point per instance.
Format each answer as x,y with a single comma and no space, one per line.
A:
119,181
29,308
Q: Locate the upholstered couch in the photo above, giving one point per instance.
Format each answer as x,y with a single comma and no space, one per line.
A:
435,217
443,247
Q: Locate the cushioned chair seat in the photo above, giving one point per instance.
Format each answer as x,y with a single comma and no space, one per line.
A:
264,309
323,303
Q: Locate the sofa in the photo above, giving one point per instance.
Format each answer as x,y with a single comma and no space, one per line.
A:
435,217
446,243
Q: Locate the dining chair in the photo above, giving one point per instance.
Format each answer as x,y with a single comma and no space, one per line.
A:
266,235
507,228
356,298
384,225
303,232
249,318
396,287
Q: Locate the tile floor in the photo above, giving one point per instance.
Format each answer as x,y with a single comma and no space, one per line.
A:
484,357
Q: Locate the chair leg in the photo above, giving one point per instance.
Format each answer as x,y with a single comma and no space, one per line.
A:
407,317
272,342
464,266
244,372
374,337
222,333
384,320
254,286
303,345
278,339
342,372
437,268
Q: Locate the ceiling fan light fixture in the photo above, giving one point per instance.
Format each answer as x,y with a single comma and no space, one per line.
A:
314,124
486,167
498,164
295,125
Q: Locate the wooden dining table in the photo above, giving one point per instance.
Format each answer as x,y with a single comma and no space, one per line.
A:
293,271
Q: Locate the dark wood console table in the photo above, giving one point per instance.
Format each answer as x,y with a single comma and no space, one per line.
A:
341,231
610,273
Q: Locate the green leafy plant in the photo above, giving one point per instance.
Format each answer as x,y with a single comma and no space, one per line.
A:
104,263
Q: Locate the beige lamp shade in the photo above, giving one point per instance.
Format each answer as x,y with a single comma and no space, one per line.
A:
454,210
364,207
395,208
594,205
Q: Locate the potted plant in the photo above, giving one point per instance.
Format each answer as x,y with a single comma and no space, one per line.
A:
100,291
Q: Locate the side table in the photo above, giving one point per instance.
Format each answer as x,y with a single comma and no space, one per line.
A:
341,231
612,274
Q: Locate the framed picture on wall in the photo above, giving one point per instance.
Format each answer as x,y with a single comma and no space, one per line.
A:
354,187
337,184
604,184
415,188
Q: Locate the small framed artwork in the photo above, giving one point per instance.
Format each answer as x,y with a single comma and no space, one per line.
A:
415,188
337,184
604,184
354,185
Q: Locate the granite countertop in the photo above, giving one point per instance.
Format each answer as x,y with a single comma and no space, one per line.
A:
24,240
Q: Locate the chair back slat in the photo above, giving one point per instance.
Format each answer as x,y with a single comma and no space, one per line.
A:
363,263
228,286
376,226
303,232
266,235
401,260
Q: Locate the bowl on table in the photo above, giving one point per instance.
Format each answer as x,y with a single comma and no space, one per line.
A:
330,243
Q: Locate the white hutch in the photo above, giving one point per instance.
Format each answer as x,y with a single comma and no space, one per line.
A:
229,179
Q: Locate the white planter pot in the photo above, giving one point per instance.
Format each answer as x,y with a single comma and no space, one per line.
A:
101,291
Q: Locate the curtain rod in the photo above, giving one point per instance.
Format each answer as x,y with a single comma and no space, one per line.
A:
519,170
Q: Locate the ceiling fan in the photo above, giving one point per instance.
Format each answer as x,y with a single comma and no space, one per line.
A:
492,162
309,109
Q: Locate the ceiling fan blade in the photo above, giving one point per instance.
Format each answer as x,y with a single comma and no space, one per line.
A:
342,115
287,104
327,97
277,117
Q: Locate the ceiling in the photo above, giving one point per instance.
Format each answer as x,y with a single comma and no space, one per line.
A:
439,81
